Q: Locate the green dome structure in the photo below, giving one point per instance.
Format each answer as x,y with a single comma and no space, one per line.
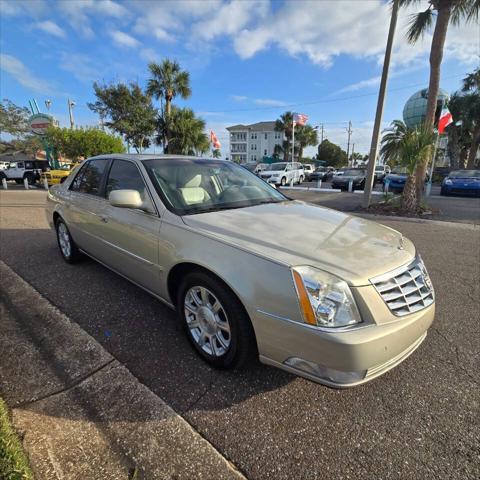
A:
416,107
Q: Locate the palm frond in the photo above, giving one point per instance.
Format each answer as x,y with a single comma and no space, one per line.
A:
465,11
419,24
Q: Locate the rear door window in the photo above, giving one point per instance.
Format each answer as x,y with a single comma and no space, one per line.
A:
89,178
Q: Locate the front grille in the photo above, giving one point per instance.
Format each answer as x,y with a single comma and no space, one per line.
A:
407,289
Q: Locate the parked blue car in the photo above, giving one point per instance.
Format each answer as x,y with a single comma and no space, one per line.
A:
395,179
462,182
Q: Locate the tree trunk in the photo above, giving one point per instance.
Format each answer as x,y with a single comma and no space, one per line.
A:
409,196
436,55
472,156
463,158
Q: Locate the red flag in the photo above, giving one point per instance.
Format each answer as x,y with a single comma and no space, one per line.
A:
444,120
300,118
214,140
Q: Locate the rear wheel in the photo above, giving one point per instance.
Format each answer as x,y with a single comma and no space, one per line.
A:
300,180
215,321
30,178
67,246
283,181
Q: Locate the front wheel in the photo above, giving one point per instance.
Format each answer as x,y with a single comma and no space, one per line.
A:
67,246
215,321
300,180
283,181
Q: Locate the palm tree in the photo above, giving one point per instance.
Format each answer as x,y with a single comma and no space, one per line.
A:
186,132
446,12
216,153
167,81
408,147
284,124
305,136
471,85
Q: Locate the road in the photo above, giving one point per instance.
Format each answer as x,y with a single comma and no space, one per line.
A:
419,421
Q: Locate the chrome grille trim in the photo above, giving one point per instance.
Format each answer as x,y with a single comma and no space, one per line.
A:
407,289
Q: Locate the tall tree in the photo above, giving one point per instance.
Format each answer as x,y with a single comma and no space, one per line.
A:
471,85
444,12
186,132
284,124
166,82
408,147
305,136
14,119
332,154
128,111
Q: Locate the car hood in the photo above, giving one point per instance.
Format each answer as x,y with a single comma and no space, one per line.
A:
465,180
397,178
298,233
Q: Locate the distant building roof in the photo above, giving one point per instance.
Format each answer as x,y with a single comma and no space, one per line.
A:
254,127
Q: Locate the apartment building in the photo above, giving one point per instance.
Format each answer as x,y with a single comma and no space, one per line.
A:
250,143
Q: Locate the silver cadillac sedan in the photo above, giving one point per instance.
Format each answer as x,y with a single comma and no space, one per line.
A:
252,274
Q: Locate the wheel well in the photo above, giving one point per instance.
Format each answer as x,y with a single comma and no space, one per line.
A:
56,216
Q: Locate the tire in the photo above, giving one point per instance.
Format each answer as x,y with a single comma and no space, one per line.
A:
283,181
30,178
300,180
68,248
224,337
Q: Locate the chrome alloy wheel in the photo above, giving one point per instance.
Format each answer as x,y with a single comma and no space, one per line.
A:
207,321
64,240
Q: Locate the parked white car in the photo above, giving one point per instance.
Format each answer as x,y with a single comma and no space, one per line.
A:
283,173
308,169
27,169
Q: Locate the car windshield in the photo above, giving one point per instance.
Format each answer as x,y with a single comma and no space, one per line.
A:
320,169
189,186
399,171
379,169
465,174
277,166
353,172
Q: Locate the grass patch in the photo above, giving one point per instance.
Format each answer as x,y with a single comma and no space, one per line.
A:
13,461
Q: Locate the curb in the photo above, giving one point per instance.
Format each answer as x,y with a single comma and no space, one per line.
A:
80,412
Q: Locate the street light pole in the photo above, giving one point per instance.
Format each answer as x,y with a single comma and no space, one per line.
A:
372,158
71,104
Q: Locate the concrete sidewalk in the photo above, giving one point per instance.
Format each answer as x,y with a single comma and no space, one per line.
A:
82,414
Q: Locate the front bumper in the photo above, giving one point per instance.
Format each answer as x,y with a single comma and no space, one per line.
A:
461,190
346,358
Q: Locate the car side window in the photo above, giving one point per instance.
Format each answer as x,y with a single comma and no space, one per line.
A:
89,178
125,175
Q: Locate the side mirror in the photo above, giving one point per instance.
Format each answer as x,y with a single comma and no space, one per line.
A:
126,199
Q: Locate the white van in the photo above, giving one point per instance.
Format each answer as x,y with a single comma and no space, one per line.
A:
283,173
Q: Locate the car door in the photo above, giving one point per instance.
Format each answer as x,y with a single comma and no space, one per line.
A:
84,204
131,236
16,171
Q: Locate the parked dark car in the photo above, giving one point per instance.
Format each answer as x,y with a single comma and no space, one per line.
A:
321,173
462,182
358,177
396,180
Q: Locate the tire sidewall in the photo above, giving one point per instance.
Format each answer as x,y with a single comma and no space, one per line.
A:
283,181
73,249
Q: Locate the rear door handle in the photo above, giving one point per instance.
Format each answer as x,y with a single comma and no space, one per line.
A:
104,219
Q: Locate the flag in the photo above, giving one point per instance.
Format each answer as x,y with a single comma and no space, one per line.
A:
214,140
300,118
444,120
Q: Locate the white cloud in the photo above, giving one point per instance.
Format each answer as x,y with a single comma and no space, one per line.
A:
32,8
369,82
123,39
78,12
81,66
268,102
229,18
239,98
52,28
18,70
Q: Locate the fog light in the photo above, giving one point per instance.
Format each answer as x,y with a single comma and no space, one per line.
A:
336,376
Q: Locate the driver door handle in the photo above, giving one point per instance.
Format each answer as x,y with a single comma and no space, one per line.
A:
104,219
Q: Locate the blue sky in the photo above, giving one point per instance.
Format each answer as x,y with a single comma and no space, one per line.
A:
249,60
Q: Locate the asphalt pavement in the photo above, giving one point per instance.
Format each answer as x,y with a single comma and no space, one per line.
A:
419,421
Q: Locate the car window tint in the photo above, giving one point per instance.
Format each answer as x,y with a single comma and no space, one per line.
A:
126,176
89,178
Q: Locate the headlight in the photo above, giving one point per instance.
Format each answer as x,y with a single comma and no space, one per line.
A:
325,300
448,181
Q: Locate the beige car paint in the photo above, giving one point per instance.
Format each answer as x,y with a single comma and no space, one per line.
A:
252,250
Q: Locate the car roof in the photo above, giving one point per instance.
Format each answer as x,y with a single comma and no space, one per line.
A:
151,156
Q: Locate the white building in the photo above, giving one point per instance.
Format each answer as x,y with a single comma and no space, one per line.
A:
250,143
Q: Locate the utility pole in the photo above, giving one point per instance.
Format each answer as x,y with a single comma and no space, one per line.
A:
353,151
321,135
71,104
349,131
372,157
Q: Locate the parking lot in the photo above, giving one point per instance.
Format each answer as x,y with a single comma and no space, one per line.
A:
419,421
